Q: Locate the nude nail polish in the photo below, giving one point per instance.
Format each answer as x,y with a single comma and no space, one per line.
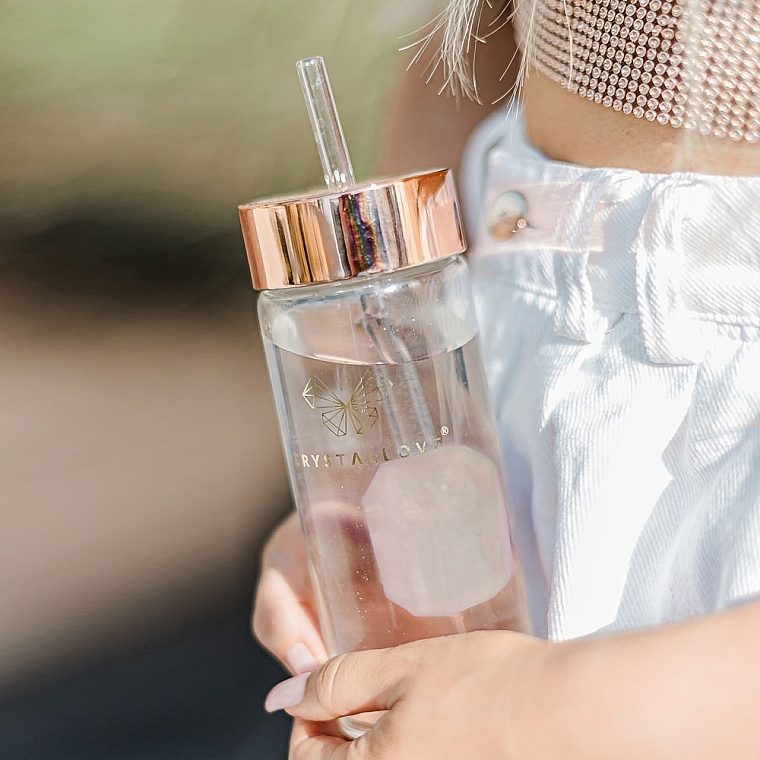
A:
286,694
301,660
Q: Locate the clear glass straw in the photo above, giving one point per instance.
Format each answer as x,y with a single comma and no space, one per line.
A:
339,175
328,132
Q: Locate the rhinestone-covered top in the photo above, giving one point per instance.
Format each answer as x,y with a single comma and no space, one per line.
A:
689,63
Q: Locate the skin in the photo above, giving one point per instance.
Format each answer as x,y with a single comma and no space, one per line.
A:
687,691
570,128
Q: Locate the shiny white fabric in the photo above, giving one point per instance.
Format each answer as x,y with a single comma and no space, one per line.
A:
621,332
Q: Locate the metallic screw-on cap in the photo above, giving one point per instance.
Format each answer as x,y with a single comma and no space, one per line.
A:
329,236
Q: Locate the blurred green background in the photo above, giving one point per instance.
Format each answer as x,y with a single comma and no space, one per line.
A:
182,104
139,460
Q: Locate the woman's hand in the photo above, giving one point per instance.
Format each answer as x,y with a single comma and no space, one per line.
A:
284,617
686,691
458,697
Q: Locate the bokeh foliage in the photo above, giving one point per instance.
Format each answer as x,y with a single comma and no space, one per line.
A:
187,105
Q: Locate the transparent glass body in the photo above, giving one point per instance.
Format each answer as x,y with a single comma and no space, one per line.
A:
393,457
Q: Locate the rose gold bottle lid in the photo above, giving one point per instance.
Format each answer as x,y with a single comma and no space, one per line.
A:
371,228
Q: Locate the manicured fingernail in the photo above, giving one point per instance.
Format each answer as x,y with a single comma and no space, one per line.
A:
301,660
286,694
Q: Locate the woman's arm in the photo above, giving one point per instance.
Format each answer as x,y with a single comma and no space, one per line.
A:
690,691
427,130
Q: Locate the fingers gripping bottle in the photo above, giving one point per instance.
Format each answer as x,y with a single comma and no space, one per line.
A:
371,341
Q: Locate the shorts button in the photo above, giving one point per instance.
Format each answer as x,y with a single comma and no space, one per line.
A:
507,215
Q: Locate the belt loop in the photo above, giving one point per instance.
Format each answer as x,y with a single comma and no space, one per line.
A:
575,317
670,334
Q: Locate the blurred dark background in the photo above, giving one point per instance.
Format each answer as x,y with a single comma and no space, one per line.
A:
139,461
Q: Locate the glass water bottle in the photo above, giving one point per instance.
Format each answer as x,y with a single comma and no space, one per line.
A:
371,341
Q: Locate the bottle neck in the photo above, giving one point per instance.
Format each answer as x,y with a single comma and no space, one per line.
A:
364,282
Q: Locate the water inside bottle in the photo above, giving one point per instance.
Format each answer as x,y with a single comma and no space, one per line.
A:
406,528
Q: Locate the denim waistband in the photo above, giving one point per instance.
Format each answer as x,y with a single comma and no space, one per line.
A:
682,250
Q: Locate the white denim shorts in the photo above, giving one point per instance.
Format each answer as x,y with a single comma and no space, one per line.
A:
621,330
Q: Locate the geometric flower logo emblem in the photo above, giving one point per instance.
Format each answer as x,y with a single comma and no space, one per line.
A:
347,406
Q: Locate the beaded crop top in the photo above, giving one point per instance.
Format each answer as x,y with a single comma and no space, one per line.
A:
687,63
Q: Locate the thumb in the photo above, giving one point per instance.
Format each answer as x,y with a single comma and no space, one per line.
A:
345,685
